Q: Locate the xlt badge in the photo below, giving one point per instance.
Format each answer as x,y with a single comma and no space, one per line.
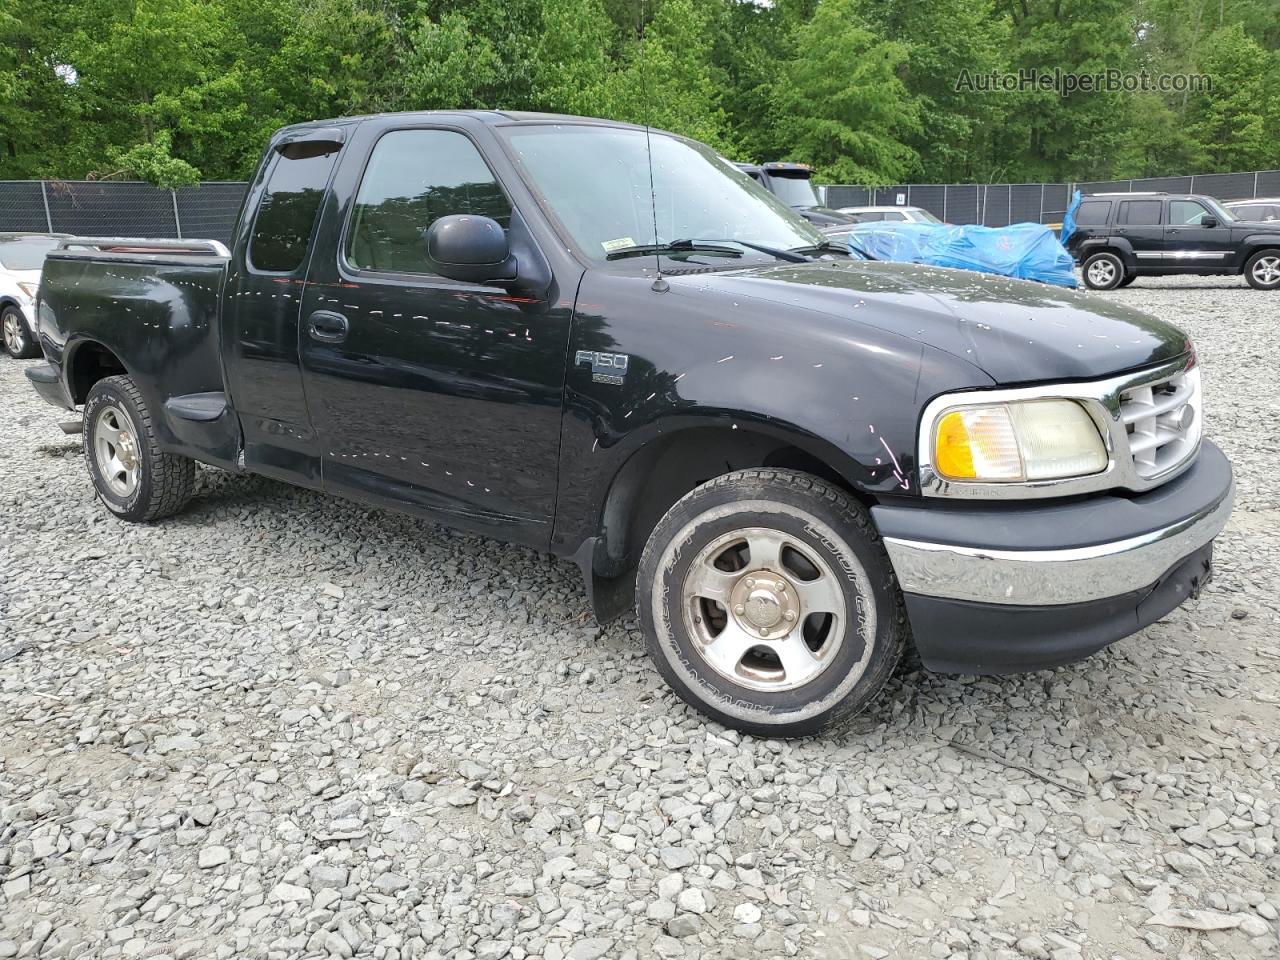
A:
605,367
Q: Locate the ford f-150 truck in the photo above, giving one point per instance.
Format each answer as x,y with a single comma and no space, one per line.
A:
610,344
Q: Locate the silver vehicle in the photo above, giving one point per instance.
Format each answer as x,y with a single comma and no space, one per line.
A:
873,214
1257,209
21,260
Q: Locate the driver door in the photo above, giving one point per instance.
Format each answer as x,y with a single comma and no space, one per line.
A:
1189,242
429,394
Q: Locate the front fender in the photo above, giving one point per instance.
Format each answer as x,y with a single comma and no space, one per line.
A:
651,365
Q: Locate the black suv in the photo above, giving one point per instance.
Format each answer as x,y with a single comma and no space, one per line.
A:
1122,236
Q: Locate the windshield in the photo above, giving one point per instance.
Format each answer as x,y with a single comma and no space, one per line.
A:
794,191
25,253
595,180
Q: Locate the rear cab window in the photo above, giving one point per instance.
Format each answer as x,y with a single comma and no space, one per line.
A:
286,215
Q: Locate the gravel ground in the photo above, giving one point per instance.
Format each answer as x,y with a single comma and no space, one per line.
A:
281,725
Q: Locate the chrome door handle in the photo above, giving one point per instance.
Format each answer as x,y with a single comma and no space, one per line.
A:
327,326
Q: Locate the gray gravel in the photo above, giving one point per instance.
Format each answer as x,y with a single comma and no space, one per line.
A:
281,725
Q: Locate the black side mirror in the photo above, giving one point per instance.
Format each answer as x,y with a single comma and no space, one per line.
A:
1209,222
471,248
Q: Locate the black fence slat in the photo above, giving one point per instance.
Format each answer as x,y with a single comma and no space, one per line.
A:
22,206
995,205
105,209
1024,203
210,210
929,196
1224,186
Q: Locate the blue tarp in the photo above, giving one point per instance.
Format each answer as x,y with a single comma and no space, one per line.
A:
1069,219
1028,251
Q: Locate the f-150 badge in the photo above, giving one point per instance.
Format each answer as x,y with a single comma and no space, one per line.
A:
605,367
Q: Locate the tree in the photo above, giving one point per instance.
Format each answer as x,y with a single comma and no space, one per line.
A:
1237,123
840,104
573,56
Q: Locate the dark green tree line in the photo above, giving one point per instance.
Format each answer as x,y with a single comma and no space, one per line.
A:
177,90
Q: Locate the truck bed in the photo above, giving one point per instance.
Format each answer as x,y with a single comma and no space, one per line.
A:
154,306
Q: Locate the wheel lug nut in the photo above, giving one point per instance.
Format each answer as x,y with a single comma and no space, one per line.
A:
739,609
781,585
750,583
764,631
789,615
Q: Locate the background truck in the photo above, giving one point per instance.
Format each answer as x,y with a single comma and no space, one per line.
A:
613,346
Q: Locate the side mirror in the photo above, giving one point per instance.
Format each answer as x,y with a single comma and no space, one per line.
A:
471,248
1209,222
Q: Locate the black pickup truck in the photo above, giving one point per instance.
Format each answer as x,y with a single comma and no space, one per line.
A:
794,464
1122,236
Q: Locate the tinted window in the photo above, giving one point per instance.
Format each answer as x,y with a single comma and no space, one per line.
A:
287,213
1093,212
894,215
1249,211
1187,211
414,178
866,217
1140,212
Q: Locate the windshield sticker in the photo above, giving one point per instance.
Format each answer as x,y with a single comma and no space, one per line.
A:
619,244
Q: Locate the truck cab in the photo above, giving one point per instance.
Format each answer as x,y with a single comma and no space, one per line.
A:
792,183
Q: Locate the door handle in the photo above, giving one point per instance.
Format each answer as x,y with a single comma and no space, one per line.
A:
327,326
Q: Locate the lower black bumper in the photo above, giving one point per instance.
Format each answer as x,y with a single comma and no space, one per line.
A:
960,636
44,377
1007,587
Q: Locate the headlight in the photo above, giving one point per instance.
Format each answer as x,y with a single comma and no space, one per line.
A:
29,288
1017,441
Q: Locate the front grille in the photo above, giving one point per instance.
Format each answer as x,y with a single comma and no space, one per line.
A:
1162,420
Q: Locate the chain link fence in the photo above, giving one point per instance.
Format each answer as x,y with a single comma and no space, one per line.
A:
1000,204
111,208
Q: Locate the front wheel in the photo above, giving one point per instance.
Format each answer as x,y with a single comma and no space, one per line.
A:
769,604
18,342
1103,271
1263,270
133,477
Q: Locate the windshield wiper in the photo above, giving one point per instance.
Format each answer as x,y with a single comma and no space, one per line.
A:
826,246
707,246
677,246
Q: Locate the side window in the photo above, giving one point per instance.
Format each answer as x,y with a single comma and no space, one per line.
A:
867,217
1092,212
415,177
1248,211
1186,212
894,215
1140,213
287,212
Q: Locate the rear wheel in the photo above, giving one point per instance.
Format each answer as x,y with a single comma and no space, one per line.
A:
769,603
1103,271
18,342
1263,270
133,478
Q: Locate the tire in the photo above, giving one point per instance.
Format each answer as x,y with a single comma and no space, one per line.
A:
132,477
1128,279
18,341
1103,271
1262,271
793,559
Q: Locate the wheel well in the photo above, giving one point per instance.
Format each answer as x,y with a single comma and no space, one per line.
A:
1114,251
1244,261
662,472
90,363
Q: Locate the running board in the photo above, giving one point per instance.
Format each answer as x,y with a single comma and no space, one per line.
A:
200,407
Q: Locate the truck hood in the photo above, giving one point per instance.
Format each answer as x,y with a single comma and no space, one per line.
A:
1016,331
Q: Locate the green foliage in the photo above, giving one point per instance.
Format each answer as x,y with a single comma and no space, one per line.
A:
153,163
840,104
170,90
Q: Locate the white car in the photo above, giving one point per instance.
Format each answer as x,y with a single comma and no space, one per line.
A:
21,260
1260,208
901,214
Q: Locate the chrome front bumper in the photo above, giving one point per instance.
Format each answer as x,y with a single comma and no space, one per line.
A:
1186,518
